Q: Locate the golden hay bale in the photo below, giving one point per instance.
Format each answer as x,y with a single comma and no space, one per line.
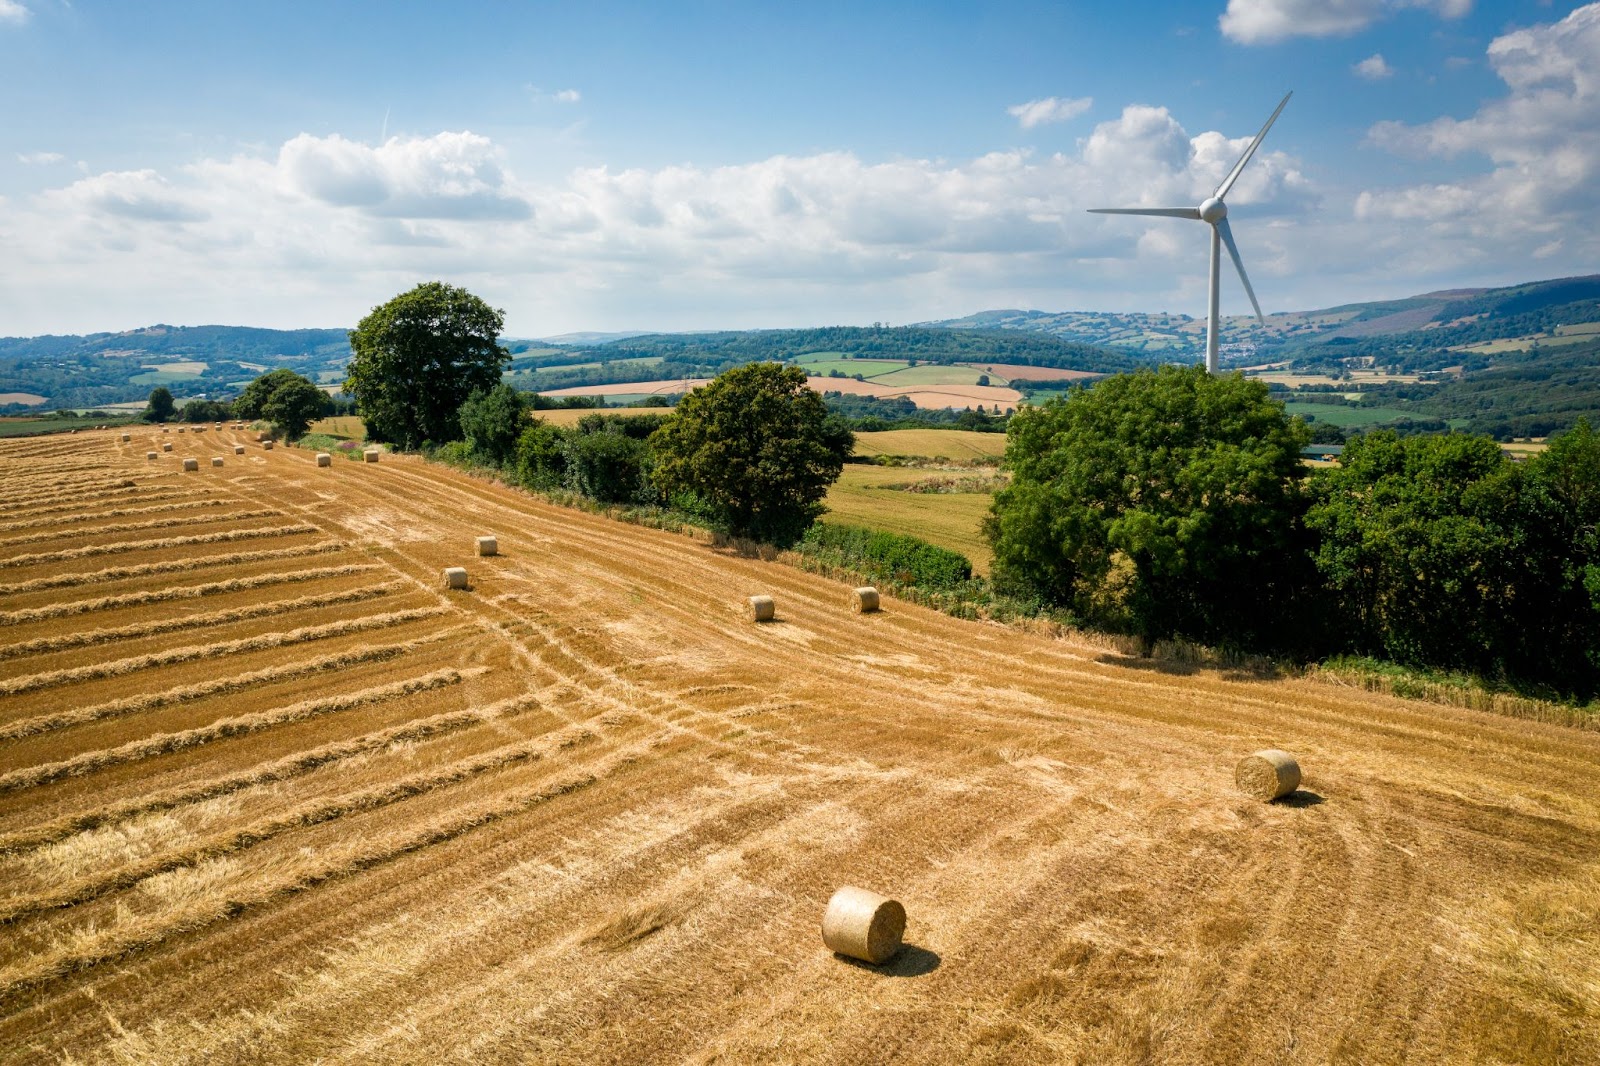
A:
324,459
1267,775
150,456
126,437
181,429
863,925
455,577
238,449
864,600
370,455
163,429
166,445
762,609
216,460
266,445
488,546
260,437
191,464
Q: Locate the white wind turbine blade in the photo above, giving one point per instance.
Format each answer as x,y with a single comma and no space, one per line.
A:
1163,212
1238,168
1233,250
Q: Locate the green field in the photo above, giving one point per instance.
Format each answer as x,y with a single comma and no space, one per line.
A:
931,374
950,520
163,377
871,369
1347,417
23,427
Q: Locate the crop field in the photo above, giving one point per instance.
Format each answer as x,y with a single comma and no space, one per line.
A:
1345,416
954,444
270,794
1009,372
863,496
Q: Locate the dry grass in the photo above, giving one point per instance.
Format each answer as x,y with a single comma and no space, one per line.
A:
159,544
588,814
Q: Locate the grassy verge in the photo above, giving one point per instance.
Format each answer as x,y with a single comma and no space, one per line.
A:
1451,689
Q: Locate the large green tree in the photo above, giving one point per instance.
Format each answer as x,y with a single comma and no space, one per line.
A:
161,407
1163,502
755,450
290,401
418,357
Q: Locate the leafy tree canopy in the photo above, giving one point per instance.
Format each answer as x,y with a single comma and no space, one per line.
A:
755,450
491,422
418,357
286,399
162,407
1165,502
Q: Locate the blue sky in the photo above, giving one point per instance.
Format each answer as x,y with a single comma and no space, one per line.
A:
616,166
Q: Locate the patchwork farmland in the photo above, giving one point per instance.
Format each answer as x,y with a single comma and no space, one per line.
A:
269,792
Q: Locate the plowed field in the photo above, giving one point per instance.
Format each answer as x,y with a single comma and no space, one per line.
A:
269,793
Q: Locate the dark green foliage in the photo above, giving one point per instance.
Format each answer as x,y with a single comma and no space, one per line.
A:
161,408
541,458
286,399
1163,502
1441,552
205,411
492,421
418,357
608,466
756,448
886,557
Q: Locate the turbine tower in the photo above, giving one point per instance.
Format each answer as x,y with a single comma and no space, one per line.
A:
1214,211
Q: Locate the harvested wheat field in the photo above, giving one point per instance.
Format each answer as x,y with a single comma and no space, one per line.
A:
270,793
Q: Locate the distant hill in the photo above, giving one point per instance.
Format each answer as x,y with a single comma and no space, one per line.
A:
107,368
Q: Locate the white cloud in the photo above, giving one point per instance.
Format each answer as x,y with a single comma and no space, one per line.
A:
323,228
1541,142
40,159
568,96
560,96
1050,109
1373,68
13,12
1269,21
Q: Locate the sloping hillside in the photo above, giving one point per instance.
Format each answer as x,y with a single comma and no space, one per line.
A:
269,793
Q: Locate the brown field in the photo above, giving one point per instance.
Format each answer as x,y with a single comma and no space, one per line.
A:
281,798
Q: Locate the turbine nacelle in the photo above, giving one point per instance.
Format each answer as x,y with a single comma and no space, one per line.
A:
1213,210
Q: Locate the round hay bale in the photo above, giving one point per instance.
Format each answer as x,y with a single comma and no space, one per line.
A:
762,609
1267,775
864,600
191,464
166,445
216,460
324,459
150,456
455,577
266,445
488,546
238,449
370,455
863,925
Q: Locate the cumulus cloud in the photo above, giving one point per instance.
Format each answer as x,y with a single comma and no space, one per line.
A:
1050,109
40,159
1373,68
1541,141
13,12
330,225
1269,21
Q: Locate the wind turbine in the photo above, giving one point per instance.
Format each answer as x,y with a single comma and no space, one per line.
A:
1214,211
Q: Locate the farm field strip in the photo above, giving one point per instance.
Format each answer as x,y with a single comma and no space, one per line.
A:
156,544
173,493
603,825
173,521
121,512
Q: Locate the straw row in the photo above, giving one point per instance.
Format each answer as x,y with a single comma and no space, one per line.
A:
284,769
57,507
122,512
196,652
181,592
172,566
139,934
150,701
134,527
225,728
221,537
310,813
136,630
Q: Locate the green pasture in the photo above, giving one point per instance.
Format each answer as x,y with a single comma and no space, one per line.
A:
1348,417
932,374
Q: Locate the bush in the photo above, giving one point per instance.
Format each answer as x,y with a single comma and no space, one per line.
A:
888,557
606,466
541,456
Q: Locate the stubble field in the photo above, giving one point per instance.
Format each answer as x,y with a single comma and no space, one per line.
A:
268,793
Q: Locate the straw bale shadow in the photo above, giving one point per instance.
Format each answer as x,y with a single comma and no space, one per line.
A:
1300,798
909,961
